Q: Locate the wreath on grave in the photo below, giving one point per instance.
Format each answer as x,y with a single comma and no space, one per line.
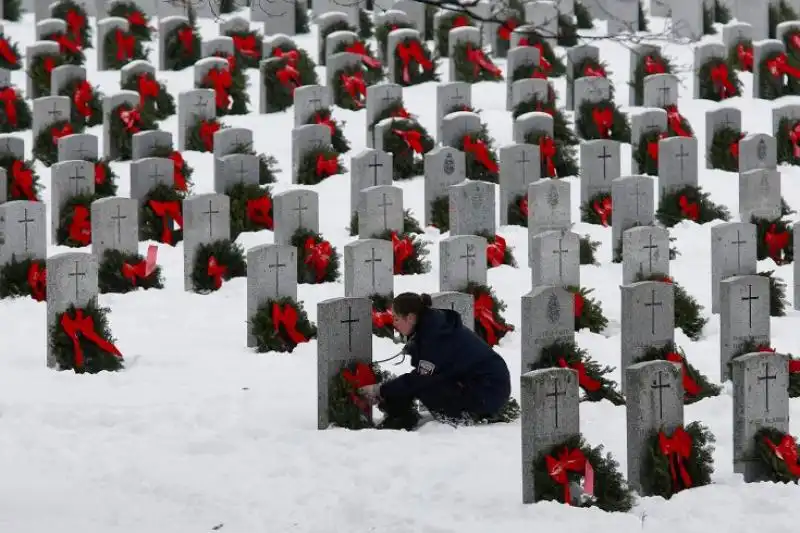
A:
591,374
791,42
77,20
740,55
774,240
346,408
689,203
531,71
45,145
778,12
301,22
22,181
299,60
181,47
695,385
440,213
413,63
395,110
449,21
587,249
562,468
364,24
318,261
549,64
480,155
318,164
597,210
775,72
602,120
588,313
778,452
122,47
69,50
562,131
718,80
490,325
382,32
382,316
138,21
251,208
679,461
646,65
9,54
497,251
279,325
125,120
567,31
350,88
686,309
216,262
24,278
341,25
373,69
646,152
154,98
162,207
589,67
246,47
227,95
87,102
583,16
237,91
39,71
505,29
121,272
473,65
708,20
517,211
788,141
74,223
751,346
642,18
410,224
410,252
338,140
182,172
267,164
80,340
724,152
677,124
15,113
408,142
201,135
557,158
777,293
280,79
12,10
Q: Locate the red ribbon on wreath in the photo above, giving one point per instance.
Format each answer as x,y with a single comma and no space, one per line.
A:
776,242
355,87
287,317
326,166
178,165
794,40
690,210
8,97
412,51
292,56
75,24
37,281
207,130
169,211
325,121
603,209
362,377
544,64
547,153
603,119
360,49
258,211
779,66
80,229
221,81
675,121
787,452
289,77
22,181
690,386
215,271
247,45
7,53
143,268
720,77
65,44
186,38
794,364
48,64
82,98
84,326
598,71
496,251
479,61
382,319
506,29
654,65
559,469
63,131
460,21
585,381
578,303
126,44
652,147
412,138
318,257
523,206
481,153
794,137
130,120
403,249
136,18
745,56
677,449
486,317
147,88
400,112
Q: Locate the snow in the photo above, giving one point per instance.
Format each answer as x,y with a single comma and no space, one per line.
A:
200,432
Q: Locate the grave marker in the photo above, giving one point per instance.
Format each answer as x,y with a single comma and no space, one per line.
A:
380,209
444,166
472,208
632,204
307,138
462,260
645,251
77,146
548,206
449,96
109,104
294,210
600,164
145,142
206,219
148,172
193,106
368,268
757,151
379,98
759,194
519,167
22,231
115,226
68,179
733,253
547,318
369,168
744,316
677,163
308,100
555,259
271,275
460,302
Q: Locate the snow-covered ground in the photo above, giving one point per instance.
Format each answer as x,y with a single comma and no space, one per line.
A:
200,432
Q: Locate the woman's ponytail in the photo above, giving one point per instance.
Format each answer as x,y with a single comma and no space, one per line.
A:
411,303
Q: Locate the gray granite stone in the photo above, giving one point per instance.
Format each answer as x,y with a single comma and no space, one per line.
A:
236,169
32,51
757,151
201,69
527,89
661,90
23,231
544,16
379,98
759,194
456,125
206,219
193,106
677,163
645,252
687,19
600,164
228,141
77,146
575,56
308,100
460,302
702,53
271,275
649,120
325,21
632,204
222,45
623,16
369,168
548,206
735,32
335,39
115,225
50,26
743,316
451,97
235,24
380,209
144,143
294,210
472,208
462,260
547,318
305,139
465,34
591,89
534,121
757,15
791,112
444,166
47,111
148,172
733,253
717,119
68,179
519,167
554,258
110,103
368,268
638,53
63,75
337,64
517,57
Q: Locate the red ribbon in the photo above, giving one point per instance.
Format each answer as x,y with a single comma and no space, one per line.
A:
578,303
776,242
325,121
603,120
292,56
676,449
354,86
143,268
652,146
37,281
787,452
22,181
287,317
179,180
258,210
318,257
327,166
745,56
654,65
80,229
496,251
169,211
358,48
481,153
779,65
523,206
84,326
82,98
362,377
221,81
66,45
603,209
130,120
403,249
690,210
126,44
460,21
137,18
48,64
480,61
690,386
75,24
400,112
207,130
544,64
589,70
547,153
8,96
506,29
675,121
794,40
412,138
216,271
794,137
247,45
412,51
720,77
382,319
186,38
585,381
558,469
288,76
7,53
148,88
486,318
63,131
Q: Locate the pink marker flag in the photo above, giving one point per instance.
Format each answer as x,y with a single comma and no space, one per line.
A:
588,480
150,262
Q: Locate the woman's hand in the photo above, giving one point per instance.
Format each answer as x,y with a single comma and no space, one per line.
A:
371,393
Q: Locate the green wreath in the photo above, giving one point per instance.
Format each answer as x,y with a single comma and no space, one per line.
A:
508,254
417,72
469,72
775,465
118,273
224,254
597,210
267,164
341,97
122,135
95,358
246,204
280,96
312,266
448,21
415,262
382,323
406,162
590,66
724,152
488,170
60,11
708,21
721,12
200,136
138,21
524,72
301,23
611,493
252,57
777,293
587,250
517,211
70,52
9,58
410,224
382,32
394,110
660,477
587,128
497,323
312,168
345,407
584,17
751,346
679,128
15,281
182,171
177,55
274,332
788,150
792,57
111,54
695,385
238,99
151,225
338,140
689,203
567,31
592,375
20,109
440,213
588,313
12,10
686,309
709,90
781,254
564,160
372,70
779,12
90,114
45,145
67,218
160,106
738,60
645,156
514,17
772,87
551,65
15,191
647,64
364,24
39,71
341,25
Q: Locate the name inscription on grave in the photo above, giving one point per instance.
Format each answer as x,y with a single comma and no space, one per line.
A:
547,337
739,341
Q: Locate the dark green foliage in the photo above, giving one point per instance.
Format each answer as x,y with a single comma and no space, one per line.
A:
115,60
779,12
18,191
507,414
562,130
771,86
656,471
410,224
724,153
440,213
788,150
722,14
587,128
341,97
114,276
66,217
567,31
159,107
498,307
416,262
301,25
518,211
121,135
14,281
448,21
71,53
642,18
686,309
647,64
10,58
372,74
475,170
718,92
343,411
364,24
182,53
12,10
227,254
418,71
407,162
382,33
201,135
777,294
469,72
508,255
151,226
588,313
93,107
307,171
708,21
705,389
307,266
280,96
22,111
94,358
585,21
588,247
551,65
248,54
60,11
382,321
38,70
564,161
243,217
238,95
596,208
776,467
698,207
780,254
45,145
737,56
138,21
751,346
643,154
271,337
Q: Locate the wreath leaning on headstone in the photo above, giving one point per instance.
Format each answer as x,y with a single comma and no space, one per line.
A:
45,145
774,240
678,461
154,98
557,158
497,251
373,69
280,79
514,16
777,77
778,453
9,53
587,249
408,142
695,385
591,374
724,151
324,116
80,340
318,164
121,272
87,102
365,26
718,80
15,113
77,20
237,91
646,151
489,322
410,252
317,259
588,313
12,10
346,408
440,213
280,325
122,47
22,182
181,47
226,95
549,64
449,20
75,221
125,120
602,120
251,208
24,278
182,171
71,52
562,131
481,161
689,203
787,138
201,134
473,65
39,71
396,109
382,32
646,65
300,61
382,316
138,21
686,309
597,210
777,293
410,224
246,47
751,346
341,25
216,262
677,124
740,55
413,63
791,42
567,31
350,88
161,211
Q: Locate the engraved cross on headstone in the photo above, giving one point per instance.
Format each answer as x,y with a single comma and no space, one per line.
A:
374,165
457,97
727,122
155,176
749,299
468,255
316,101
210,214
560,254
25,221
681,155
595,90
77,274
637,195
604,156
555,394
349,321
652,304
299,210
81,151
766,378
76,179
387,98
649,247
738,242
54,113
660,386
241,172
200,103
371,262
663,91
384,204
277,265
118,218
522,162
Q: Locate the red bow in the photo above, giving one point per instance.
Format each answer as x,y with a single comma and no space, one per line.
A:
169,211
207,130
75,24
547,153
403,249
231,59
412,51
776,242
578,303
480,61
84,326
653,65
288,76
325,121
221,81
412,138
652,146
7,53
186,38
216,271
48,64
603,209
9,97
354,86
745,55
327,166
318,257
720,77
676,449
130,119
603,120
484,313
37,281
382,319
258,210
66,45
143,268
523,206
794,366
358,48
690,210
794,137
63,131
137,18
779,65
126,44
496,252
481,153
675,121
589,70
544,64
558,469
292,56
179,180
22,181
400,112
286,317
734,148
787,452
80,229
148,87
460,21
362,377
506,29
246,45
586,382
794,40
82,98
690,386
